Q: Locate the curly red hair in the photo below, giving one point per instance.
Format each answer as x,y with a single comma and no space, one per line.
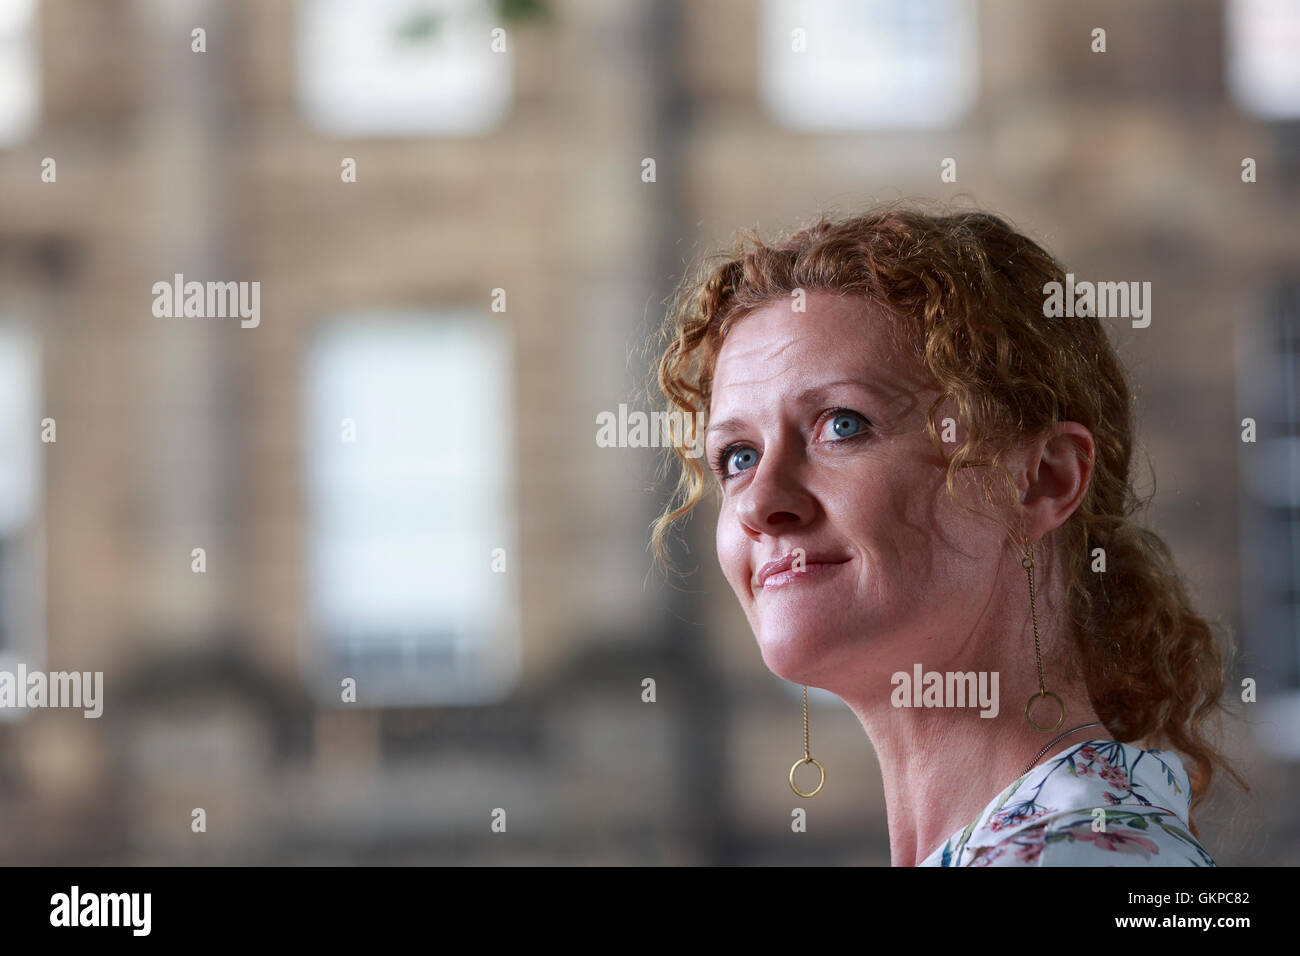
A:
968,293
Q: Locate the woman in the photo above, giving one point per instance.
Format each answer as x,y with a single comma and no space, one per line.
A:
924,480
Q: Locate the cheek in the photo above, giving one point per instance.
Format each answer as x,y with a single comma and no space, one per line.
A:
888,511
872,499
733,556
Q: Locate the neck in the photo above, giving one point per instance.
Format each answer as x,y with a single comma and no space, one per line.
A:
940,772
942,765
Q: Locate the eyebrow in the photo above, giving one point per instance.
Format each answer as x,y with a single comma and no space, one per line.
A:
806,397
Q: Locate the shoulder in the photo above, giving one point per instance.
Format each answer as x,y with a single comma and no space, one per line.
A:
1102,836
1101,803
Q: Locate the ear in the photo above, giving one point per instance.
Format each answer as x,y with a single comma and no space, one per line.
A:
1055,476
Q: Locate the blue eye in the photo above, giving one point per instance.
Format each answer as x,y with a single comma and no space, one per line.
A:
734,453
845,425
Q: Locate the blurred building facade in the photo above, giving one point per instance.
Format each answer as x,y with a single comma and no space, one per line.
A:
388,485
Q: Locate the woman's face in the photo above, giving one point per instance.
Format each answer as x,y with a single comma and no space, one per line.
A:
822,426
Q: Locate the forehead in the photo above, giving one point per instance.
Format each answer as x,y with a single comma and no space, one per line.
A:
836,337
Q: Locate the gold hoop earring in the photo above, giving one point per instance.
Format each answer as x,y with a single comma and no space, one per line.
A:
1027,562
807,756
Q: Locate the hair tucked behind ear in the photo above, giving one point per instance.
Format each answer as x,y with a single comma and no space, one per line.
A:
968,293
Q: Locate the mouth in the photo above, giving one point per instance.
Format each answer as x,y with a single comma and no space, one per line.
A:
783,573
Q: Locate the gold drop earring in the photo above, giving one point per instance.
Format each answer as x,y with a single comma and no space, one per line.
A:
807,755
1027,562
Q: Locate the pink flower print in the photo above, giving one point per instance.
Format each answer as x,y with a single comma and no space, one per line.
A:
1087,752
1120,840
1030,847
1116,777
1111,798
985,855
1026,848
1083,770
1012,817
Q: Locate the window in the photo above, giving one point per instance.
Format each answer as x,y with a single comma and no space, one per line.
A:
868,63
19,82
22,533
410,443
1263,68
401,67
1268,387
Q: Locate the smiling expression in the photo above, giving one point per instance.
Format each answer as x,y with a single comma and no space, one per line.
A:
818,427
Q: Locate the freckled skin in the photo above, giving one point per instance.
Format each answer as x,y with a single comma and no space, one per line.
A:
923,581
918,567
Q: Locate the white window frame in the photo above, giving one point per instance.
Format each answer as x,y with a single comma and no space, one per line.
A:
22,509
1261,61
381,587
856,71
354,79
20,78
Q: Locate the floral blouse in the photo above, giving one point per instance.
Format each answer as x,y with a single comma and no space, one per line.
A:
1099,803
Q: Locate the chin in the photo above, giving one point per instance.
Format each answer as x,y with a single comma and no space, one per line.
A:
788,654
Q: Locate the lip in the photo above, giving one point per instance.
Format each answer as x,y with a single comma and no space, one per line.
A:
786,562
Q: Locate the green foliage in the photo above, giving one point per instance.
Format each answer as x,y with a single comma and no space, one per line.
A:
422,25
521,11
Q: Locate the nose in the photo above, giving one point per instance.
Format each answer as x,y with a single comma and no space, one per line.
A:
775,497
